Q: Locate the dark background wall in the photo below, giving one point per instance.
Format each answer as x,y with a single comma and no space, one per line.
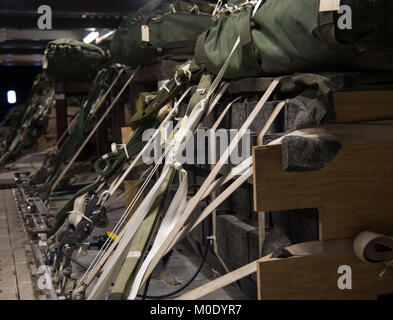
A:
18,78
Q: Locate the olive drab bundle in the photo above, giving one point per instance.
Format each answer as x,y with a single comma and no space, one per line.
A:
160,28
67,59
287,36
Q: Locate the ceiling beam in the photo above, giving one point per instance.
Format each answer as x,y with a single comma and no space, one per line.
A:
120,6
39,35
61,21
21,59
15,51
25,43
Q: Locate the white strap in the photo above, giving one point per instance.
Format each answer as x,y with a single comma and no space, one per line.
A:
182,142
100,259
115,148
116,260
300,249
174,211
220,282
186,125
193,202
151,140
211,207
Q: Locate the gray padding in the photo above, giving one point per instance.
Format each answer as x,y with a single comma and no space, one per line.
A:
306,154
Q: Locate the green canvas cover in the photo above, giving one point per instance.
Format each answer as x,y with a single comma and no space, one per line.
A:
173,27
288,36
71,59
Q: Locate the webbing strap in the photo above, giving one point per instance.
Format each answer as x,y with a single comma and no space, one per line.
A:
301,249
199,56
193,202
173,213
245,30
103,258
118,256
115,261
151,140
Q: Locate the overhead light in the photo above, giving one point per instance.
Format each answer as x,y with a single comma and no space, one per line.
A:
106,35
11,96
91,37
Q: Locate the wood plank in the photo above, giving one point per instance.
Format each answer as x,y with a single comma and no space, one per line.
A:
326,248
353,192
125,133
356,106
316,277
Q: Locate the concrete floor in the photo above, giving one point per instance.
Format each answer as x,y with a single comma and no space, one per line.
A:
15,272
18,277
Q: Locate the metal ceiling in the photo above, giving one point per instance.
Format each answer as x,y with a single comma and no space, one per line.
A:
22,43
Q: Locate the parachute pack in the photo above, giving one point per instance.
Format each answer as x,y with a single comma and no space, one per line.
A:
152,32
67,59
286,36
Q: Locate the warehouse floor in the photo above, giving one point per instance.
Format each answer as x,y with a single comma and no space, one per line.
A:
19,269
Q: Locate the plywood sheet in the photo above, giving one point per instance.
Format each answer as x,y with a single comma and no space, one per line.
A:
353,192
125,133
355,106
316,277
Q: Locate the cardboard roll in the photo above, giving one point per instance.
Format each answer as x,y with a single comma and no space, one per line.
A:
373,247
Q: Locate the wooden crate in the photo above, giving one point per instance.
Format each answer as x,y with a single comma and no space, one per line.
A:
316,278
353,193
356,106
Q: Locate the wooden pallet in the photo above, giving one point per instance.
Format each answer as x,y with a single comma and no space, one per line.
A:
353,193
